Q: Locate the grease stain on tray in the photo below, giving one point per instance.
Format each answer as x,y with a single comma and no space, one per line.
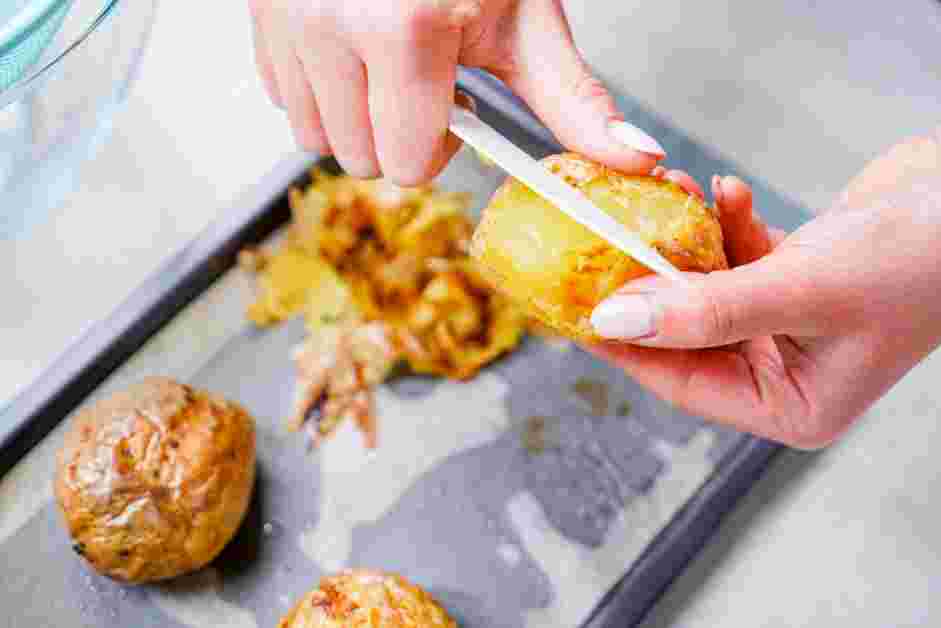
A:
592,393
540,433
579,574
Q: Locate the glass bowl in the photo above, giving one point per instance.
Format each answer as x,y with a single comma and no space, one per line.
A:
65,69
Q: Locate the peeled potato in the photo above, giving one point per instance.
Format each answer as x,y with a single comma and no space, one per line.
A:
558,270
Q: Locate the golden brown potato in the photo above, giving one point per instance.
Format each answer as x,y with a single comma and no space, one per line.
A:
365,598
154,481
558,270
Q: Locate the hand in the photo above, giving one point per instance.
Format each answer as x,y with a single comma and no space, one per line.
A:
808,330
373,82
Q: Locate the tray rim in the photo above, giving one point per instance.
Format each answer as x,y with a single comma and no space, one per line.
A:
34,412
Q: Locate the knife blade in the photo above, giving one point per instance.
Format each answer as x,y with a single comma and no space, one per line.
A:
519,165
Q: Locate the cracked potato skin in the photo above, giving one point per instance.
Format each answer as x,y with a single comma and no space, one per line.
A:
367,598
558,270
153,481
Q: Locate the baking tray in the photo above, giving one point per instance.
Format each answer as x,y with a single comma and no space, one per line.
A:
588,533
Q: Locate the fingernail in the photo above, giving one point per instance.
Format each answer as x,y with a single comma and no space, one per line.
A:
624,317
632,137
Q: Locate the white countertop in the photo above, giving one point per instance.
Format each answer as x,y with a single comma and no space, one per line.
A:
797,92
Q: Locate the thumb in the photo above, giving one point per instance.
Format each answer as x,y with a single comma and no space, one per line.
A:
550,75
776,295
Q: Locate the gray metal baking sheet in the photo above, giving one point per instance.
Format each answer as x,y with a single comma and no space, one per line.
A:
452,498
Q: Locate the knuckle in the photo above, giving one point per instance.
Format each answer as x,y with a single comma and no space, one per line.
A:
718,321
411,22
415,166
589,88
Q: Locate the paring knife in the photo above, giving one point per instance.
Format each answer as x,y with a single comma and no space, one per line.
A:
519,165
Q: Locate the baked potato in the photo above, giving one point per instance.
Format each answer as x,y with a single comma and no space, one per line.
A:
367,598
558,271
153,481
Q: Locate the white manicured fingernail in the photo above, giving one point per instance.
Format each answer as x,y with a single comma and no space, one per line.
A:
624,317
632,137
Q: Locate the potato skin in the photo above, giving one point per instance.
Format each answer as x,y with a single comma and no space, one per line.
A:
558,270
152,482
367,598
